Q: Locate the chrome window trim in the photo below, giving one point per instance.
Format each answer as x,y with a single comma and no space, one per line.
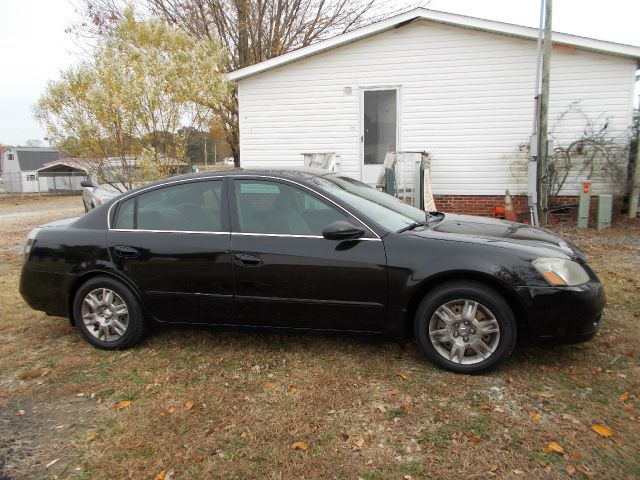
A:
207,232
248,177
250,234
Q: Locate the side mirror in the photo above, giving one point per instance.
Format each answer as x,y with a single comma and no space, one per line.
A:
342,230
86,183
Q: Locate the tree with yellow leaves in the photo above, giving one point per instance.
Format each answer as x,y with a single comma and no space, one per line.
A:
125,105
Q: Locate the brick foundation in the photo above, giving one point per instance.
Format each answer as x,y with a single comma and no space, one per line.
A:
484,205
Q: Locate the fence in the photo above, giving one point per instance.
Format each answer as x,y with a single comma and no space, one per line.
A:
45,183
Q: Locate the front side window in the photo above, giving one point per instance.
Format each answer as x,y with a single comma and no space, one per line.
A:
31,178
384,209
194,206
278,208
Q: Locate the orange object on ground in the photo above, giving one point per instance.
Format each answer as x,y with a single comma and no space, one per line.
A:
498,211
509,212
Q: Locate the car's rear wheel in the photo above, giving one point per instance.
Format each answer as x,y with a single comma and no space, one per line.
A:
465,327
108,314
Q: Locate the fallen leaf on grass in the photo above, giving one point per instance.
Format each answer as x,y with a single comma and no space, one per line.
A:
293,388
570,470
358,443
575,378
486,408
624,397
188,405
545,368
92,437
381,408
161,475
535,416
344,435
403,376
405,407
172,410
300,446
572,418
270,386
554,447
21,412
575,455
602,430
394,391
122,404
544,394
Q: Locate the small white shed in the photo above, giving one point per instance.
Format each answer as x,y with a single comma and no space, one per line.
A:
458,87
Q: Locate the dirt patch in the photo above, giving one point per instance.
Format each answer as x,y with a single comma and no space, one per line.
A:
210,404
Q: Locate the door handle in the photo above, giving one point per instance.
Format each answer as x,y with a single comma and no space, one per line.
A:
248,260
126,252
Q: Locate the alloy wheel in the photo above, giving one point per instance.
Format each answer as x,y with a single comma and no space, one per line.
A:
464,331
105,314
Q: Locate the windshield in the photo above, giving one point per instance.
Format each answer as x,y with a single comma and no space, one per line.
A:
384,209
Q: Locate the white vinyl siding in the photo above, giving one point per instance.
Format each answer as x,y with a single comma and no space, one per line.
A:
465,96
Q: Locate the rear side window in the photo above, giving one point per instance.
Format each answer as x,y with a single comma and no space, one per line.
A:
125,214
194,206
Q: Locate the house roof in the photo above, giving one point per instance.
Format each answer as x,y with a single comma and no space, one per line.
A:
32,158
474,23
63,165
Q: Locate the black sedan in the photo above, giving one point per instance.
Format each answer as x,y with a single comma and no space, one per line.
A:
310,251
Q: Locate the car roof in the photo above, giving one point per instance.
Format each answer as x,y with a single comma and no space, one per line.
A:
295,173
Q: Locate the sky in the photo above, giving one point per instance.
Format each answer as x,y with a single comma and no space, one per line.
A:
34,46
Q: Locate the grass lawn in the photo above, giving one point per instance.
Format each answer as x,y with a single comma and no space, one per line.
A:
210,404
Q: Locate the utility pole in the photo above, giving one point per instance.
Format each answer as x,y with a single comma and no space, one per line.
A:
543,123
206,162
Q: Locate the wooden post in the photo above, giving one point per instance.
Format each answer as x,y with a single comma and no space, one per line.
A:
543,130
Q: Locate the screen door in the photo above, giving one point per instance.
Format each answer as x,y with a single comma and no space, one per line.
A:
380,130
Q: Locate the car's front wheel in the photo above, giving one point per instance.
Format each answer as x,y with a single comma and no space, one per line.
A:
108,314
465,327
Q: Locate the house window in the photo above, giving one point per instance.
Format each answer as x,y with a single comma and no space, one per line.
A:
10,156
31,178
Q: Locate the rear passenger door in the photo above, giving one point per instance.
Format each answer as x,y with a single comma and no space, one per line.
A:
173,242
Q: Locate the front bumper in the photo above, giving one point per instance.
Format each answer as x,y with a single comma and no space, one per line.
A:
562,315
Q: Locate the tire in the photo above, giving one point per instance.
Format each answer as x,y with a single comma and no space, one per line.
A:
460,338
105,329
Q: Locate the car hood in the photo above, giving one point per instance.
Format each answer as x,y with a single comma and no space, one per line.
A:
491,228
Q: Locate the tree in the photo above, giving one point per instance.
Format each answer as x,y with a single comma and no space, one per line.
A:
598,154
213,142
127,102
250,30
34,142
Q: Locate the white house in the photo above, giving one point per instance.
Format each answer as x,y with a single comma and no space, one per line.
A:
458,87
20,166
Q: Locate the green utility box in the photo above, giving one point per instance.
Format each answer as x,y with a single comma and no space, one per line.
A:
605,209
585,203
390,181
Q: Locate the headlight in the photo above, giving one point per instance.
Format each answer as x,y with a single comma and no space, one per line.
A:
561,272
30,239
